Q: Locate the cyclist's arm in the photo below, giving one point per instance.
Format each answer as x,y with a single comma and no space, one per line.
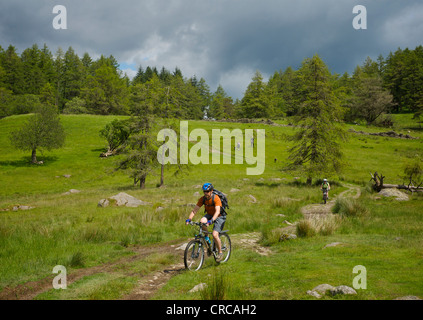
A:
194,211
216,213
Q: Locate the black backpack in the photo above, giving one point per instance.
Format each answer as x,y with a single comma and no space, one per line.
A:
223,199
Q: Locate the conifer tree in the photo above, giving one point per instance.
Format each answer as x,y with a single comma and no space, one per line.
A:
255,103
316,151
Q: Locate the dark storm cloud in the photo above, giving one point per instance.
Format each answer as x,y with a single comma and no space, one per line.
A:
224,41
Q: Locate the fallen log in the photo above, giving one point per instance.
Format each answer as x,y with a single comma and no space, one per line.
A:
379,184
108,153
401,186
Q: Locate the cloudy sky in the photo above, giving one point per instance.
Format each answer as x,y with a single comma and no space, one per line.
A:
222,41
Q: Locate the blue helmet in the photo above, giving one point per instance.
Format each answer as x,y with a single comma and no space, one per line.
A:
207,187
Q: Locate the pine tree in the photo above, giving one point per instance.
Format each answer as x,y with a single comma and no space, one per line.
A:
255,102
139,154
14,73
105,92
316,151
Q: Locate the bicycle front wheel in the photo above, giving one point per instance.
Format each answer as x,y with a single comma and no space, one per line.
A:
226,247
194,255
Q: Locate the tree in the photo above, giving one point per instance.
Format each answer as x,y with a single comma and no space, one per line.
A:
255,102
221,105
116,134
106,93
139,153
369,100
14,76
316,149
413,173
42,131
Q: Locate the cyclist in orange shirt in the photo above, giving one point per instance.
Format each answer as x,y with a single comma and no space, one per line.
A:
212,215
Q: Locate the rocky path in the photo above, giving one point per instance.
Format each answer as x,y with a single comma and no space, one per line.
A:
318,210
151,283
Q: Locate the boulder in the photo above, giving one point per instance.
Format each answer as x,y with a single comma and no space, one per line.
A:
314,294
323,288
122,199
198,287
287,237
393,192
103,203
342,290
18,207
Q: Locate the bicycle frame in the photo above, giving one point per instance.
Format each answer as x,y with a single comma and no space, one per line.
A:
202,236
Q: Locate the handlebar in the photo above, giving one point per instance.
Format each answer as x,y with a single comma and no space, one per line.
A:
197,223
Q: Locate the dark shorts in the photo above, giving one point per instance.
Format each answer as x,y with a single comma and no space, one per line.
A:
218,224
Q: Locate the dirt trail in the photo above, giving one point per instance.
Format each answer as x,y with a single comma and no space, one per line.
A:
151,283
30,290
318,210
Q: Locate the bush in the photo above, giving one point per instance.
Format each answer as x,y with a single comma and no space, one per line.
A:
75,106
305,228
216,288
349,207
324,226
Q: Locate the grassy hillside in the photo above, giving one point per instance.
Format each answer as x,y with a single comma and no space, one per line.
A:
71,230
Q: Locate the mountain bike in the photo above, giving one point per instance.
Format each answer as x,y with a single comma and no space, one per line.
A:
196,249
325,195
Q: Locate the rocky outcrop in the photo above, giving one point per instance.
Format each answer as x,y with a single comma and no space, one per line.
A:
323,289
122,199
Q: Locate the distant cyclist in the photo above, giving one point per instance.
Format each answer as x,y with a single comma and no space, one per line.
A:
325,186
212,215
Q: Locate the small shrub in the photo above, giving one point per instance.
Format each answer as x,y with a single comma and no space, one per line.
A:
270,236
349,207
77,260
324,226
125,241
217,287
305,228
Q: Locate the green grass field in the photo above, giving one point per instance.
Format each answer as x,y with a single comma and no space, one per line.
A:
71,230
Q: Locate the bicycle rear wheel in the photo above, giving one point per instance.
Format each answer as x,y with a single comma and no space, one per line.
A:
194,255
226,248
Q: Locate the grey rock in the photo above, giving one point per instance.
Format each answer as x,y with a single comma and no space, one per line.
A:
253,199
342,290
314,294
392,192
408,298
333,244
323,288
103,203
287,237
198,287
124,199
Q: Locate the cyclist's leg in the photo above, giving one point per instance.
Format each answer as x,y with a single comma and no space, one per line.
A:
204,219
217,228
